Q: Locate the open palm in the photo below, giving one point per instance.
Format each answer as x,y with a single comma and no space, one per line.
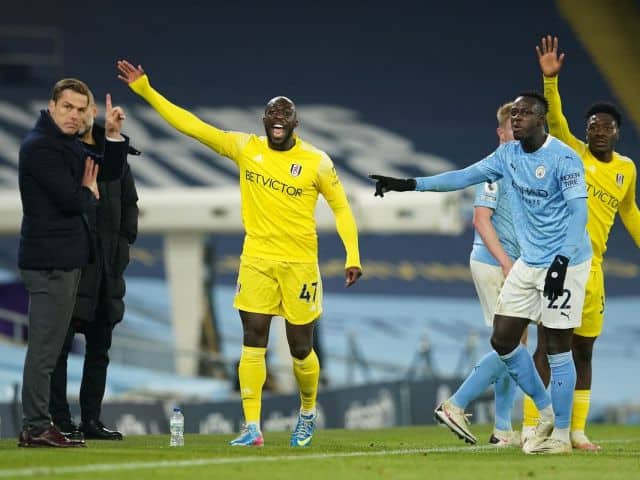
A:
129,73
550,61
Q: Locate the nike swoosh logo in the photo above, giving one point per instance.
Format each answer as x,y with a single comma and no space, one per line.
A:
303,443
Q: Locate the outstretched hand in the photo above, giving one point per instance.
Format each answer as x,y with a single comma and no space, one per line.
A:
129,73
387,184
550,61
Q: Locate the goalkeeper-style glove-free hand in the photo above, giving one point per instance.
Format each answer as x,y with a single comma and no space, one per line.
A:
388,184
554,281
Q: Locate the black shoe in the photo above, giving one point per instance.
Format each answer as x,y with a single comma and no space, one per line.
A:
71,431
95,429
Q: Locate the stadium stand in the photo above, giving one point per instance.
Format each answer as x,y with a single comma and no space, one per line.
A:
413,96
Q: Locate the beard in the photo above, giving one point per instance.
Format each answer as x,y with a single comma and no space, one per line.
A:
85,128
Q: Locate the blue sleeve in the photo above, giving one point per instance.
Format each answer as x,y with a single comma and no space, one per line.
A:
487,169
487,194
577,225
455,180
571,177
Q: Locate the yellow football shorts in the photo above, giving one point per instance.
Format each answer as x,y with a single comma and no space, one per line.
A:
593,310
289,290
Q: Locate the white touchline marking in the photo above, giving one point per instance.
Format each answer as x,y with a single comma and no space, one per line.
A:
111,467
108,467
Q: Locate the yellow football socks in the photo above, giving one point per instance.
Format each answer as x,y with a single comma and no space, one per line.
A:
581,402
530,414
252,373
307,373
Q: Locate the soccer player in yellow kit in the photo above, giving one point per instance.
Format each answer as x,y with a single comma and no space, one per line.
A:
611,189
281,176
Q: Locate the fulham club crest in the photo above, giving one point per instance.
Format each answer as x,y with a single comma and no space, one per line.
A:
295,170
619,179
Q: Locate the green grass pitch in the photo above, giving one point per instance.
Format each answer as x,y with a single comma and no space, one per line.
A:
427,452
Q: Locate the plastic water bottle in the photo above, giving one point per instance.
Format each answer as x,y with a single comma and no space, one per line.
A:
176,426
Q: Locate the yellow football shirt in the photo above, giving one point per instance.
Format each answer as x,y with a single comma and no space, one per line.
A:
279,189
611,186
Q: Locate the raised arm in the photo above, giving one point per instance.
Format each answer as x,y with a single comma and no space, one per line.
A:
113,119
116,145
550,65
225,143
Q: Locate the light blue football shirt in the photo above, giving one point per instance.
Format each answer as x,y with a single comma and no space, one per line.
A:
539,184
493,196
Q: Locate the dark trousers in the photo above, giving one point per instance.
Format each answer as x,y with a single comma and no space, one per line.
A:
98,335
52,295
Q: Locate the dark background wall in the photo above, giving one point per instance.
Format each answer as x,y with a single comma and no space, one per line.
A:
431,72
434,71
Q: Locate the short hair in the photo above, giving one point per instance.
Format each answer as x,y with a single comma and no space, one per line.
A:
605,107
504,113
92,99
538,97
73,84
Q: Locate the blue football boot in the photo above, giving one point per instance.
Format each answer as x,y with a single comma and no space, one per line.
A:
249,436
303,433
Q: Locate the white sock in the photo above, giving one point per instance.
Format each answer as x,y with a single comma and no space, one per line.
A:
547,413
561,434
579,435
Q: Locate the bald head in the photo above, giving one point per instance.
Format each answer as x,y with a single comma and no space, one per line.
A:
281,100
280,120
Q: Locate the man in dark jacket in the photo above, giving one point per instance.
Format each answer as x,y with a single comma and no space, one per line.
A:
99,305
58,190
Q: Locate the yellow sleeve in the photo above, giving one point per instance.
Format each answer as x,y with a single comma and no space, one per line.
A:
629,213
331,189
558,125
228,144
